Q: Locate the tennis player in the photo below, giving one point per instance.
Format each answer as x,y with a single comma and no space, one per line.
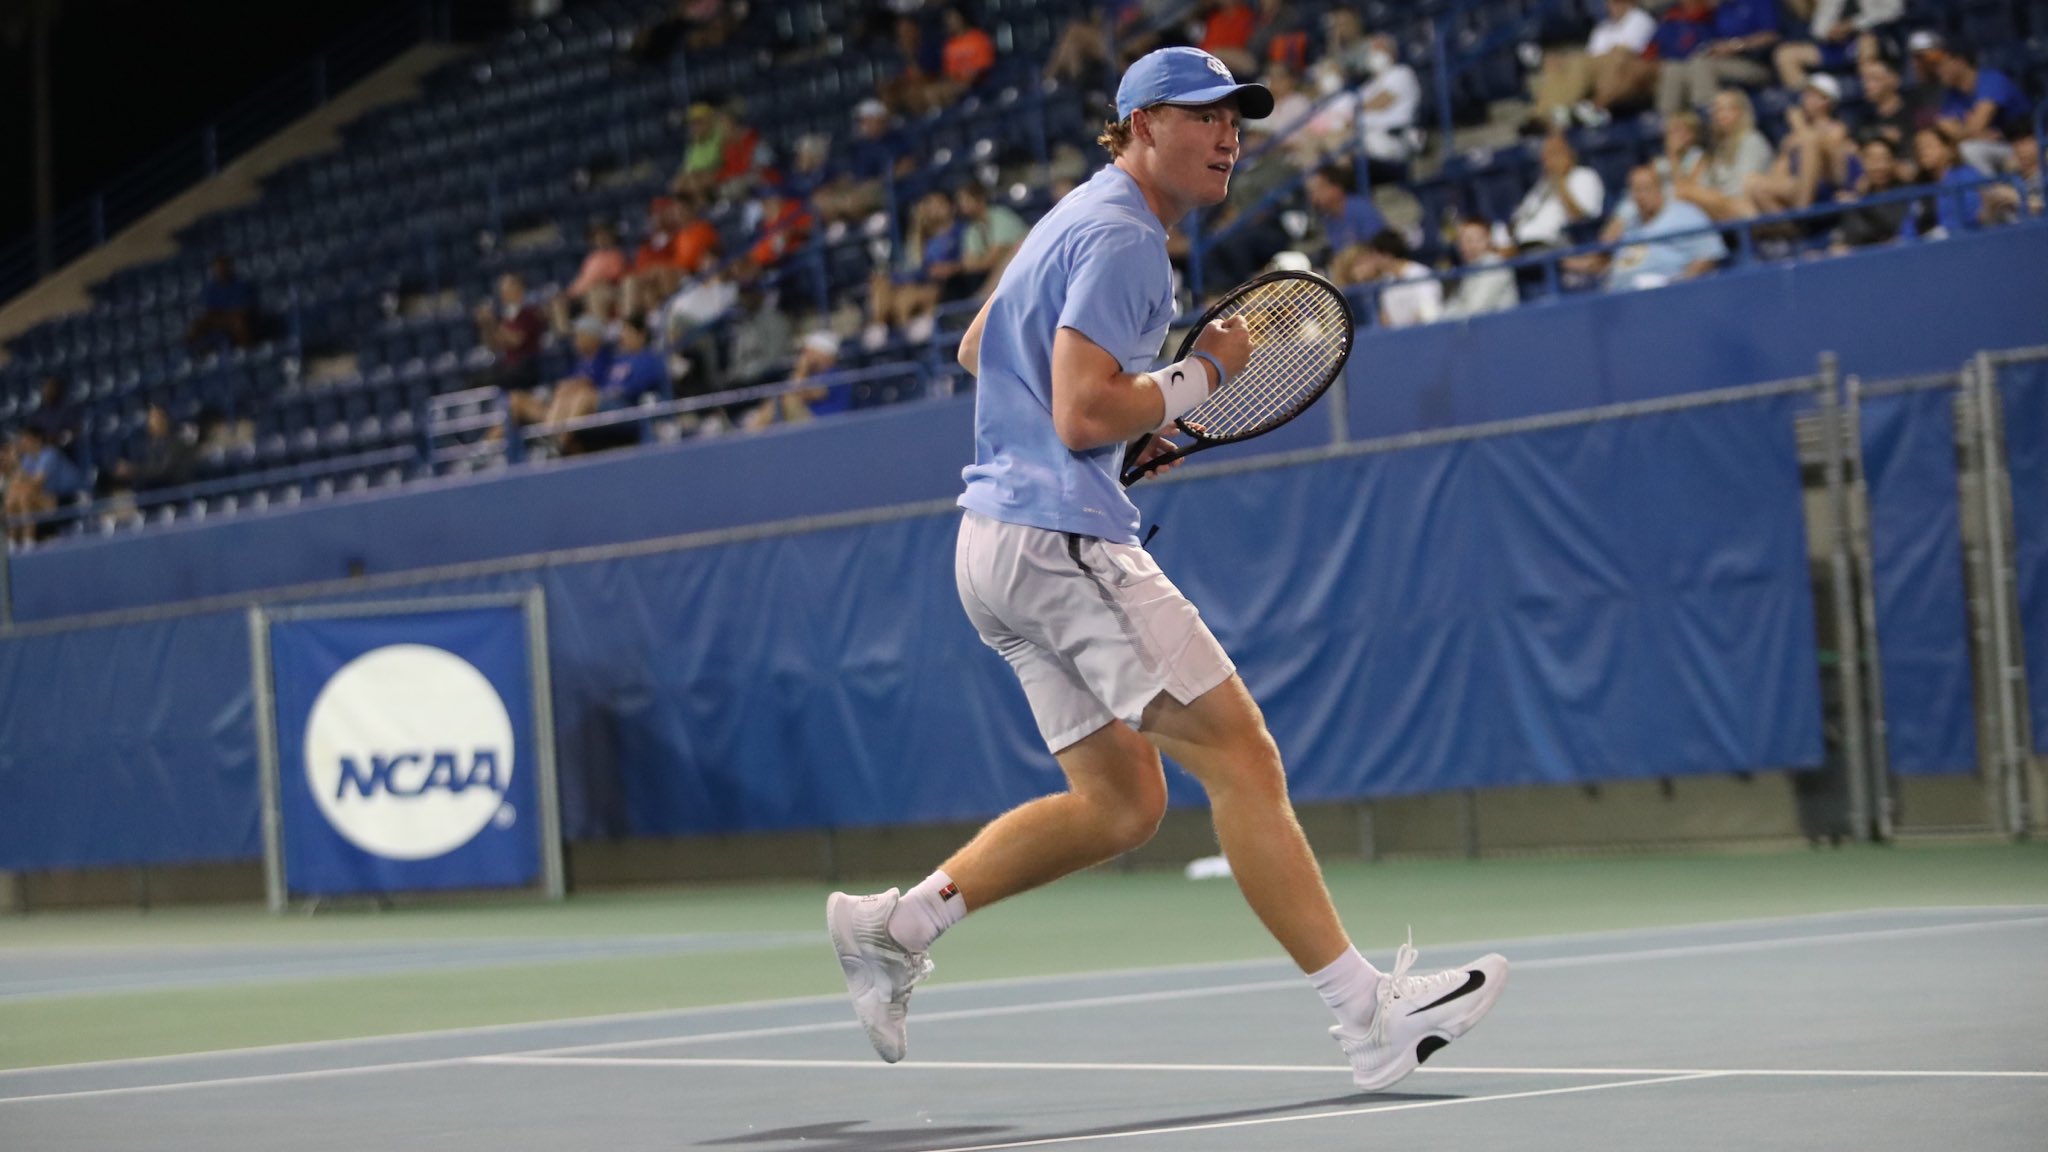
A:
1117,664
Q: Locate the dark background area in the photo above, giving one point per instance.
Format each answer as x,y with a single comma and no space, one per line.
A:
129,76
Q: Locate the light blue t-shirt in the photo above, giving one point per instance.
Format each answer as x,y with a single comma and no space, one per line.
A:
1097,264
1650,260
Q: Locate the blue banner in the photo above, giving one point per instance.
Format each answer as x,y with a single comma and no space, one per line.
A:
2024,389
406,754
1916,560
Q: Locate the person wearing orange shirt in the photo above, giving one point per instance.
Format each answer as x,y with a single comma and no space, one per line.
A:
969,55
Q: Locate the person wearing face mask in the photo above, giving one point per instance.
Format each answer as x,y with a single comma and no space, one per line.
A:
1386,112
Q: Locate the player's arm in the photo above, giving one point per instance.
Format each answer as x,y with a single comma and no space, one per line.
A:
969,352
1095,402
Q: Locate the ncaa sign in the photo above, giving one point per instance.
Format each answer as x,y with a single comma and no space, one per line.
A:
409,751
406,748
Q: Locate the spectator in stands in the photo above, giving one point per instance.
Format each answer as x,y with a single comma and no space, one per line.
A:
1613,72
1926,52
990,234
1408,293
1485,286
1566,194
760,339
1864,224
1386,109
2003,202
164,459
1227,30
907,299
1885,110
227,311
43,478
1740,37
1291,106
52,415
1844,33
606,263
513,330
1977,108
1815,156
816,357
1739,151
969,55
633,371
854,189
1957,206
910,91
701,300
1681,160
1674,241
785,227
1344,50
1348,217
680,240
592,364
723,153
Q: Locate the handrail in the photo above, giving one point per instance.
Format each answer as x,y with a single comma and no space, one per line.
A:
656,411
200,154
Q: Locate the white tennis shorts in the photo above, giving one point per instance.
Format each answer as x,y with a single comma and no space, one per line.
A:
1094,630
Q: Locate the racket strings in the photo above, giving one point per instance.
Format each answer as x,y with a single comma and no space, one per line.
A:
1298,332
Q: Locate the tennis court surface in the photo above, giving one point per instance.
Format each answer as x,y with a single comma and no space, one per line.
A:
1886,1029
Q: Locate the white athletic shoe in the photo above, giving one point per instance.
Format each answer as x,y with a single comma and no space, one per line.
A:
880,973
1418,1015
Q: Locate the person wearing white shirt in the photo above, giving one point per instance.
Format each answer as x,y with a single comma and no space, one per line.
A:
1410,295
1612,71
1485,286
1387,105
1567,193
1844,32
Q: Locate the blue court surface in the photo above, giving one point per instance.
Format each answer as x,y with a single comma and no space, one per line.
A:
1882,1030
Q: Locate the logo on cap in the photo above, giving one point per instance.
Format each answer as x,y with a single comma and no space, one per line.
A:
1217,67
409,752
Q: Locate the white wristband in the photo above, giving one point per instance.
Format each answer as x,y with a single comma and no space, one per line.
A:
1184,385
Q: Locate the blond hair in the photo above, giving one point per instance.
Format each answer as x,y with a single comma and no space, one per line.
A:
1116,136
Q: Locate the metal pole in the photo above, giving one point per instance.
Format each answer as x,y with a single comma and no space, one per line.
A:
1884,805
263,698
548,791
1998,585
1847,646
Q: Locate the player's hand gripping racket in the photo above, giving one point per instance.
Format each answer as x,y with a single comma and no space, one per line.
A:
1301,336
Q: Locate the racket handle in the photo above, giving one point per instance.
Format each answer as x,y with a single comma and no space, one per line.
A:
1132,451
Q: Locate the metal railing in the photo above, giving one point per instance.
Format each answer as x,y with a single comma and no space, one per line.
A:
200,154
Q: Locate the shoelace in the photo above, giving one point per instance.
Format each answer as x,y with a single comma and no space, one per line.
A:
1399,985
920,967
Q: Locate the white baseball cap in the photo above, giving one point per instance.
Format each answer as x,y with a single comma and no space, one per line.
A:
1826,85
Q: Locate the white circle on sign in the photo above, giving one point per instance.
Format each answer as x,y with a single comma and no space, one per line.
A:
409,751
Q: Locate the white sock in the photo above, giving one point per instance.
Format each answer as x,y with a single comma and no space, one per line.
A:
1350,986
926,911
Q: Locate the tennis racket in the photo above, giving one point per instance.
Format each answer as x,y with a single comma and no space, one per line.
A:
1301,336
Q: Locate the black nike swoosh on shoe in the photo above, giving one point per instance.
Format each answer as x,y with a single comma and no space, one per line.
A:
1474,980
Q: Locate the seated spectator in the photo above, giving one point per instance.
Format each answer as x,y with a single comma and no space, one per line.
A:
1978,106
1409,293
606,263
854,185
990,234
1485,286
1227,30
1885,111
43,478
164,459
701,300
1344,50
816,357
1864,224
1740,36
52,415
1926,54
1958,206
676,246
513,330
969,56
1613,72
1567,193
1844,33
1738,152
1814,159
635,370
760,339
927,275
1291,106
1674,241
227,311
593,363
2003,202
723,153
1347,216
785,227
1386,111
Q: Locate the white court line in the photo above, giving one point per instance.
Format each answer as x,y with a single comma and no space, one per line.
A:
1292,982
1173,1129
679,1014
235,1081
1235,1069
